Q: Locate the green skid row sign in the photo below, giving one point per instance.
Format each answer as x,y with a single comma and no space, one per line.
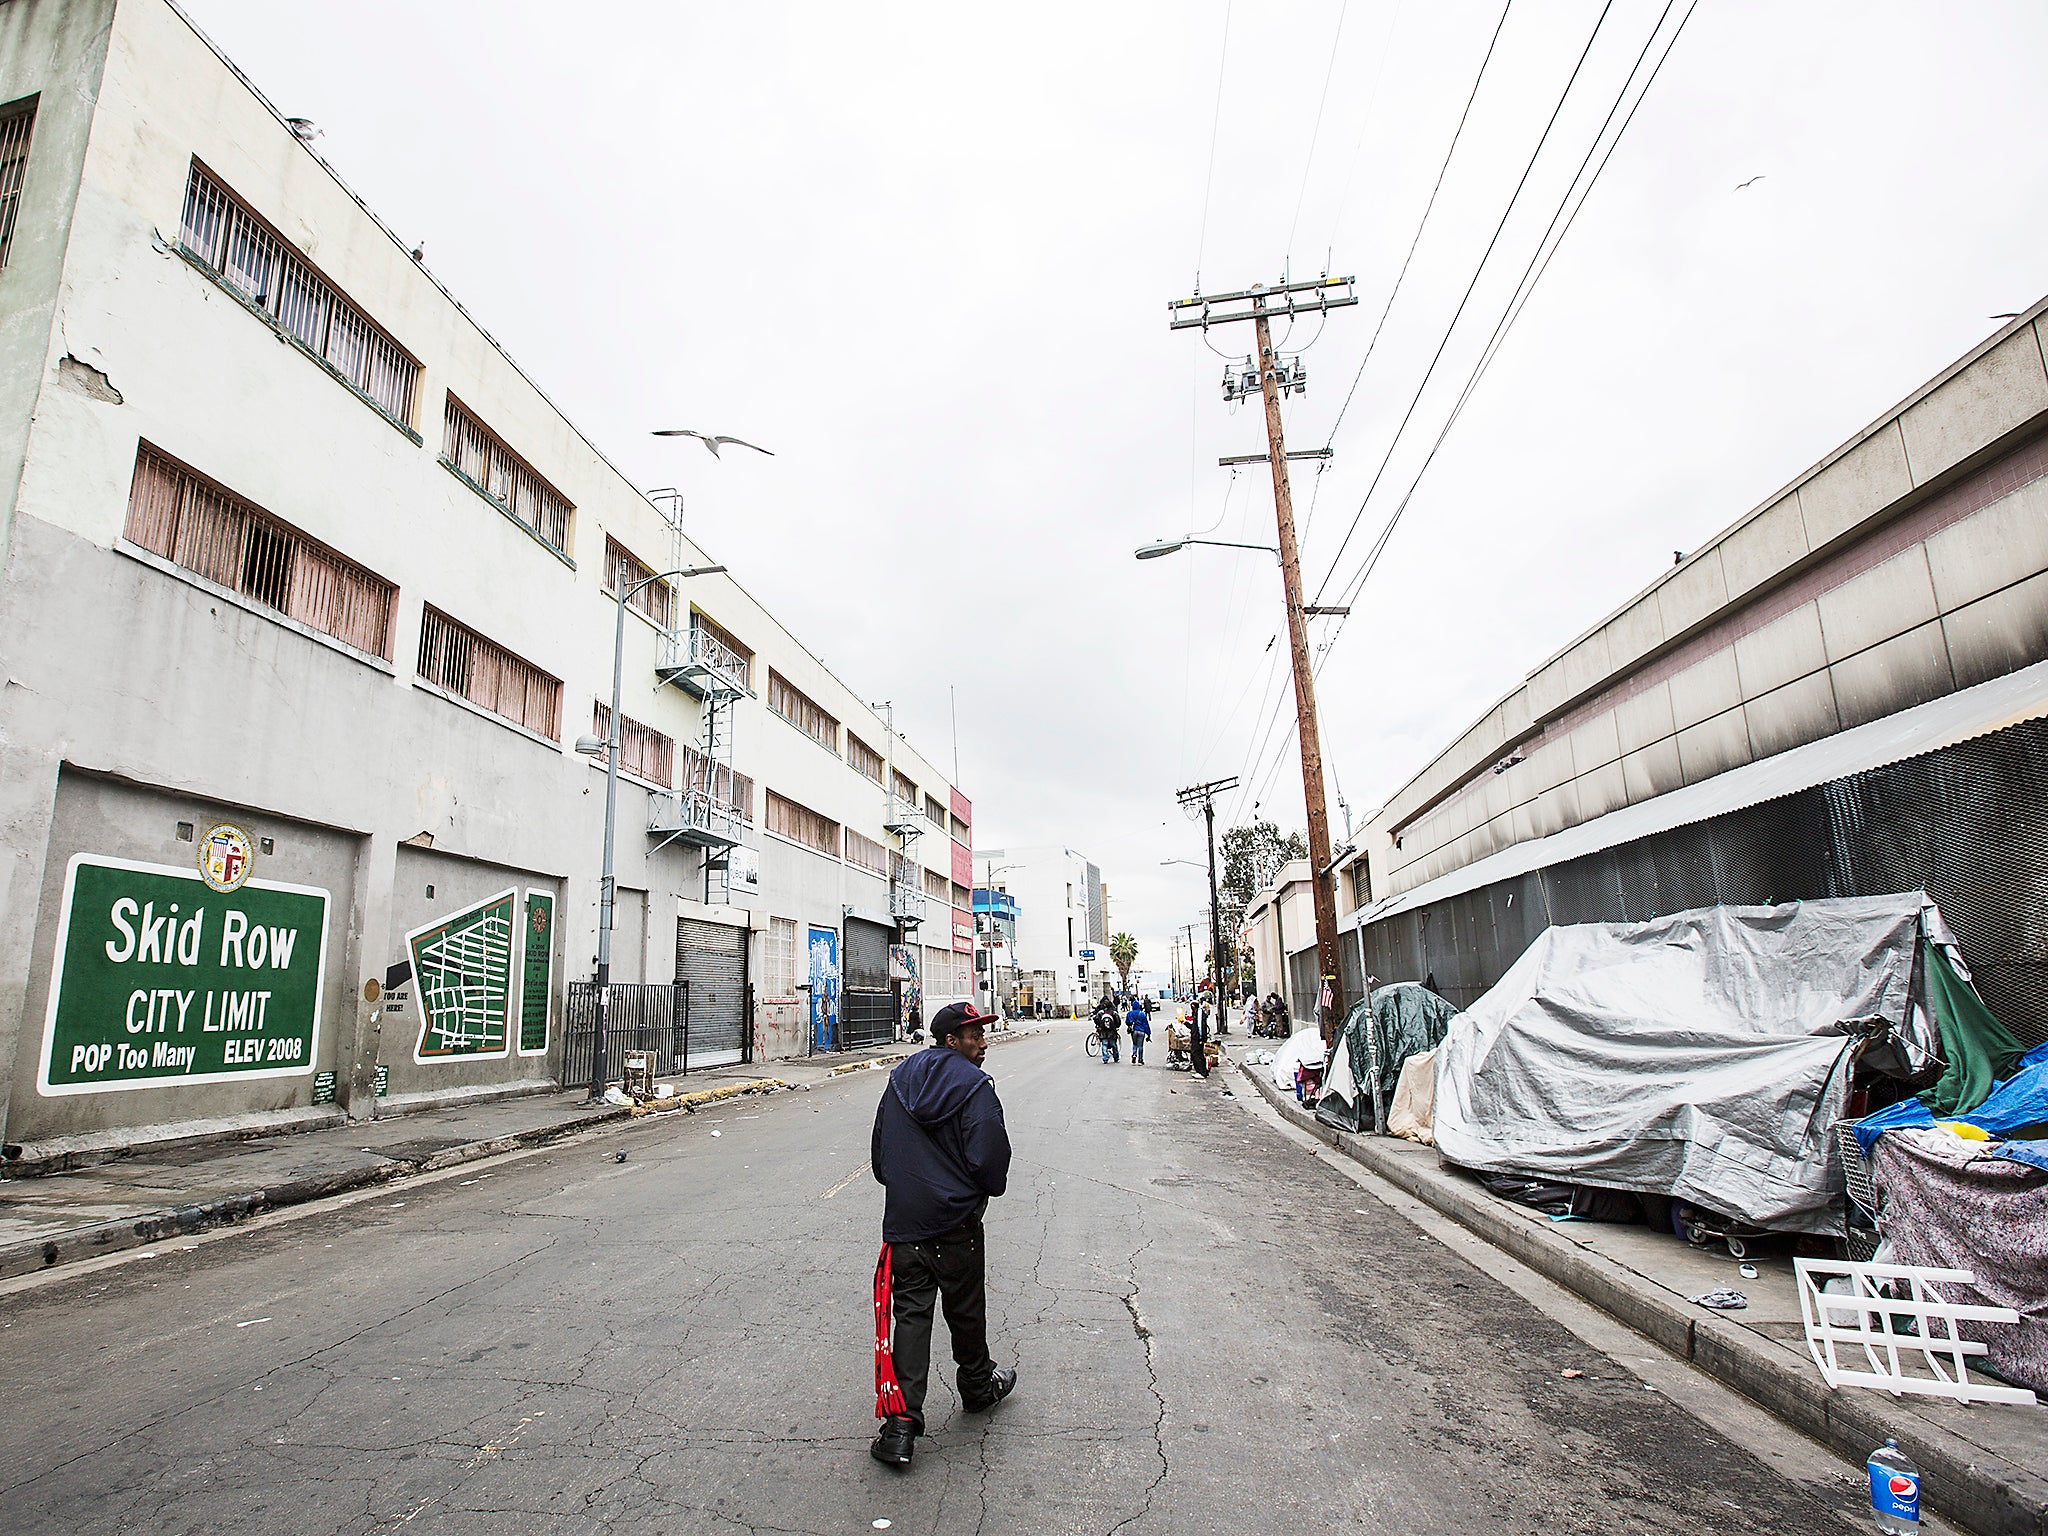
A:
161,979
477,971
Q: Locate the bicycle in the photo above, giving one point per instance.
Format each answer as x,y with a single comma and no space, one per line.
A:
1094,1046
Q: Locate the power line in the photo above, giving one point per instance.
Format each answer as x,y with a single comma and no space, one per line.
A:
1424,224
1215,122
1477,271
1526,286
1316,132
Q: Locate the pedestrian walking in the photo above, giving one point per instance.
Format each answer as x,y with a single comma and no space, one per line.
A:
1106,1029
1139,1022
941,1152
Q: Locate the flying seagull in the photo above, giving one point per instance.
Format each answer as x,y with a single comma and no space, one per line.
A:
714,443
1749,183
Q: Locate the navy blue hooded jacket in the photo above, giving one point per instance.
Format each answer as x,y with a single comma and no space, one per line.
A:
939,1146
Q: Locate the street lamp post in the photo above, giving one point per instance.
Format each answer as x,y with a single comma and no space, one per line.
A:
590,746
988,883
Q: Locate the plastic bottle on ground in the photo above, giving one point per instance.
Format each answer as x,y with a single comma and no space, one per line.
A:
1894,1489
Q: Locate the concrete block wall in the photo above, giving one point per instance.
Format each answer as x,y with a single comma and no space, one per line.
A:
1910,562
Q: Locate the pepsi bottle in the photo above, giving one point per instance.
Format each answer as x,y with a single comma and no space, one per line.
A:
1894,1489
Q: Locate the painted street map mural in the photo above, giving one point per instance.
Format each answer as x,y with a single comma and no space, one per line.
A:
462,976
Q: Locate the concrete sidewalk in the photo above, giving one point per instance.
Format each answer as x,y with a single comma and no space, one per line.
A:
162,1192
1984,1466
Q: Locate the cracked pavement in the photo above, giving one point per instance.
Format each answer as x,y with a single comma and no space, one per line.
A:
1215,1330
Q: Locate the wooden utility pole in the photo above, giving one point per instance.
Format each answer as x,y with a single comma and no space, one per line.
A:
1260,305
1205,795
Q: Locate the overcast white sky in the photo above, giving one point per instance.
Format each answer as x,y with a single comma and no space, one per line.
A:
924,252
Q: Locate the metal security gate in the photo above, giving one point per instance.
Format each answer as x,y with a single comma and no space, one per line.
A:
711,978
867,1006
1967,823
639,1016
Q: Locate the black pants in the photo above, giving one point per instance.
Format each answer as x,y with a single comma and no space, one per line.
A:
949,1269
1198,1050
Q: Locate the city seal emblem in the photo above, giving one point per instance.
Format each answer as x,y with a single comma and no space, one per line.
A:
226,857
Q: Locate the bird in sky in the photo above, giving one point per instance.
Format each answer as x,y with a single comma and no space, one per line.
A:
1749,183
713,442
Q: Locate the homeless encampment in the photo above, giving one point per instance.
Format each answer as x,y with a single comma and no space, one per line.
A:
1704,1055
1402,1019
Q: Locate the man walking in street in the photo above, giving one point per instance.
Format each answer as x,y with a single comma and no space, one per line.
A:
942,1153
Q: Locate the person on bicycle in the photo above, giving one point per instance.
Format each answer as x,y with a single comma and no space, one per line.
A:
1106,1028
1139,1023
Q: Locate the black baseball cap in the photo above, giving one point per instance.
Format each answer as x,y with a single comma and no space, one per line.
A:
954,1017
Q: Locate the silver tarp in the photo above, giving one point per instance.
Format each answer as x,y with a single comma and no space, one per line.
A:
1702,1055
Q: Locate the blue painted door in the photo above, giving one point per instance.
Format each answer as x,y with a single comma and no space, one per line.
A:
824,951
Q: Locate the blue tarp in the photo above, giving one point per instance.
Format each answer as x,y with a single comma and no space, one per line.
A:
2013,1105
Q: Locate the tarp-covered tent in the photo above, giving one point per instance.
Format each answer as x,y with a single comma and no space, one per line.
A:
1403,1019
1303,1048
1703,1055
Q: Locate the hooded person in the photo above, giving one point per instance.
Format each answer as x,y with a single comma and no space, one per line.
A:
941,1152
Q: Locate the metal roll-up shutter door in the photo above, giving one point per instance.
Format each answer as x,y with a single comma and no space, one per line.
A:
711,990
867,1005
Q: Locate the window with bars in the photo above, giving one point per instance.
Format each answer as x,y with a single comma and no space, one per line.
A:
797,823
866,854
906,791
458,659
744,673
800,712
778,958
935,812
862,758
657,599
213,533
482,458
723,784
937,886
643,751
254,260
17,123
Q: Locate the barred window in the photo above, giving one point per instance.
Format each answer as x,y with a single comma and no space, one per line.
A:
457,658
935,812
862,758
16,124
253,259
937,886
643,751
725,785
866,853
800,712
744,672
788,819
622,566
906,791
481,457
778,958
213,533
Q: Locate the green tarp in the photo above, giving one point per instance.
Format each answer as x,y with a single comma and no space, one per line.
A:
1406,1019
1980,1052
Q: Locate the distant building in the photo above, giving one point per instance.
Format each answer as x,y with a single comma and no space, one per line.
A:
1061,919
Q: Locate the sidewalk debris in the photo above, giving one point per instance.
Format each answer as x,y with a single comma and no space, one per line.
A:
1721,1300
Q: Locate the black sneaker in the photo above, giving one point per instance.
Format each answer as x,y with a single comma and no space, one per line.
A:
1000,1386
896,1443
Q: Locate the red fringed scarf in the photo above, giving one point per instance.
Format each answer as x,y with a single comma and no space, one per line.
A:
889,1402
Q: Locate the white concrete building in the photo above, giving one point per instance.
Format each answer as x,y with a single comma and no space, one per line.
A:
1062,918
307,597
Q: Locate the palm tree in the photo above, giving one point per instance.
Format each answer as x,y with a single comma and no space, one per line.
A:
1123,954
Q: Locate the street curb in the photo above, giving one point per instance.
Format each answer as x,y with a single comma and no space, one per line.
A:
39,1254
2008,1501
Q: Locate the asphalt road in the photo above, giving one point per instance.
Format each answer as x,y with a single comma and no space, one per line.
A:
1216,1331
